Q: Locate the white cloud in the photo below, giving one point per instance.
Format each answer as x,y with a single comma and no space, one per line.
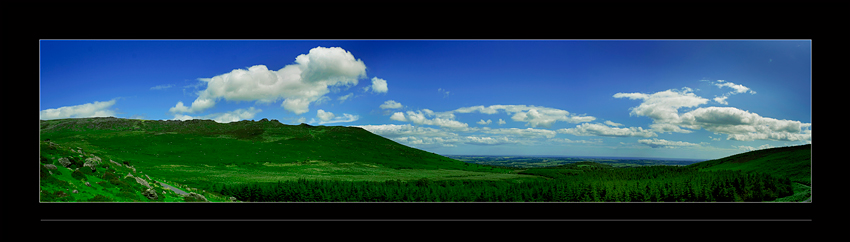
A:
613,124
379,85
236,115
419,118
162,87
501,122
738,124
745,126
594,129
324,116
299,84
346,97
533,116
329,118
390,104
95,109
738,89
398,116
394,131
473,140
301,120
660,143
750,148
663,106
528,132
565,140
232,116
482,122
721,100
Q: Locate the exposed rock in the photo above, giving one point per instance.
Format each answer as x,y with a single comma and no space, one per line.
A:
150,194
232,199
64,162
50,167
198,197
129,175
142,181
149,178
87,184
116,163
75,191
91,164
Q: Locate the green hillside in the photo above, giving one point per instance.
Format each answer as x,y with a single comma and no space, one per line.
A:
793,162
203,153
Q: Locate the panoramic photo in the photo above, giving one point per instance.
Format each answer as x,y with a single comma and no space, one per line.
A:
438,121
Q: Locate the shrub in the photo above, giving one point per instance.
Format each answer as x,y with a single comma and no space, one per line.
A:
77,174
100,198
44,160
109,176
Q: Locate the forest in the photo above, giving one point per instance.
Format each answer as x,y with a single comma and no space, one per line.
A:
591,184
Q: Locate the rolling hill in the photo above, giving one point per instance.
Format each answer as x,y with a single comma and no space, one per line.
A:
202,153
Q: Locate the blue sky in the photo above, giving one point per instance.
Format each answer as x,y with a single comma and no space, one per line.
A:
630,98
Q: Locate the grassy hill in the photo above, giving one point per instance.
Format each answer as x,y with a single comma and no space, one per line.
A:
202,153
792,162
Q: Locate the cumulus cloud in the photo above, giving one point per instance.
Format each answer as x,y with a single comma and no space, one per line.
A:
501,122
378,85
744,125
662,108
398,116
298,84
390,104
595,129
328,117
443,121
95,109
661,143
232,116
162,87
533,116
482,122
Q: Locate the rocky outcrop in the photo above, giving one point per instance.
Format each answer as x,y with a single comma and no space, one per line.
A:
116,163
143,182
198,197
87,184
50,167
64,162
150,194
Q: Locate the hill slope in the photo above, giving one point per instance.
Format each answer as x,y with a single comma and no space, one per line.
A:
203,153
793,162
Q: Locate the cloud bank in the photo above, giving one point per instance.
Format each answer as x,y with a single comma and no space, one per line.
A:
299,84
95,109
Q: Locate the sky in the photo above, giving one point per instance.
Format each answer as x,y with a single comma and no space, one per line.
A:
688,99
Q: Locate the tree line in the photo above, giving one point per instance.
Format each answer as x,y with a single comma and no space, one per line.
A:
642,184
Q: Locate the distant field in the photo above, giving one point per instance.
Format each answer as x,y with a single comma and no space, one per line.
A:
537,161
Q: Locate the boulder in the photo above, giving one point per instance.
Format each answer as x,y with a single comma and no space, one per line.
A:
75,191
198,197
116,163
129,175
150,194
87,184
64,162
233,199
50,167
90,164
